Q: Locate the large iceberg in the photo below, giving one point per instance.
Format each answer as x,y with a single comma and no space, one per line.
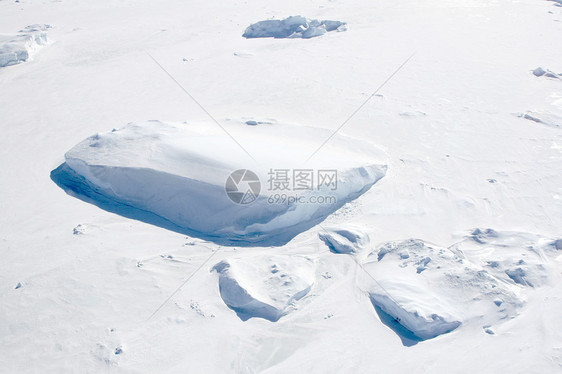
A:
196,179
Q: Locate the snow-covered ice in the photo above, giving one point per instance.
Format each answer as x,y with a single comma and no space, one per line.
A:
18,48
543,117
540,72
293,27
422,286
513,257
264,286
344,240
422,291
175,172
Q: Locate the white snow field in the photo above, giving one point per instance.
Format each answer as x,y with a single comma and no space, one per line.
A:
452,262
175,172
18,48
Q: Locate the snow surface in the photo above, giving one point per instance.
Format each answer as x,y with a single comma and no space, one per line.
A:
85,290
175,172
293,27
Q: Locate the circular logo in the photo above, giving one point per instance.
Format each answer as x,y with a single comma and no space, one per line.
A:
242,186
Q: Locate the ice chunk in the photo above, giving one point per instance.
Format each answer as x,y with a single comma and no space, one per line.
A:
539,72
188,175
35,27
264,286
425,318
546,118
344,240
292,27
334,25
18,48
433,290
483,235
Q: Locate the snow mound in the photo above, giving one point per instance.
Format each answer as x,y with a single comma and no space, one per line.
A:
178,173
512,257
344,240
546,118
422,323
540,72
18,48
264,286
293,27
426,290
36,28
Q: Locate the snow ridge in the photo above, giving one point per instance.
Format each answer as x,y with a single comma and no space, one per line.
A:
264,286
293,27
19,48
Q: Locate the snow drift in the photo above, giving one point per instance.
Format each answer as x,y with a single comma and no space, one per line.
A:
424,291
423,322
346,240
512,257
421,287
540,72
177,172
264,286
293,27
18,48
543,117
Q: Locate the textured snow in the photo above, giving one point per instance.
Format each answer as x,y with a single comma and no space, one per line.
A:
543,117
344,240
424,290
175,172
264,286
512,257
426,319
423,286
18,48
293,27
539,72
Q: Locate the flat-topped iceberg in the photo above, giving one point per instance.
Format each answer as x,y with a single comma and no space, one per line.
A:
258,190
